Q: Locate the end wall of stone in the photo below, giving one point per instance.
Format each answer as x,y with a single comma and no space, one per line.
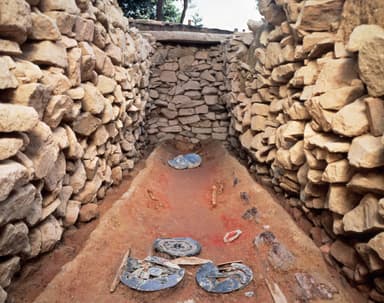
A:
308,109
186,94
73,89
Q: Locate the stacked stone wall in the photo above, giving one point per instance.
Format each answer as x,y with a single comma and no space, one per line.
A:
187,86
73,79
308,111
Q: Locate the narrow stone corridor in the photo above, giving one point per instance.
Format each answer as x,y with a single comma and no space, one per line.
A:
163,202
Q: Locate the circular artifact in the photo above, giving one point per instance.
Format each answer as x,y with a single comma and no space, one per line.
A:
151,274
185,161
225,278
177,247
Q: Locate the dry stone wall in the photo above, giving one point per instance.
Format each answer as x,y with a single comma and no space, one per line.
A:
186,94
73,89
307,106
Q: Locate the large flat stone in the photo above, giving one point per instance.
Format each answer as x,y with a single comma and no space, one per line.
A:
366,151
364,217
18,205
46,52
14,239
15,20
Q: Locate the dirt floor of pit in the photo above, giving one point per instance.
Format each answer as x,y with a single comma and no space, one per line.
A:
163,202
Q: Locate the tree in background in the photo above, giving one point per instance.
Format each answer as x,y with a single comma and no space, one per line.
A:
151,9
184,12
197,20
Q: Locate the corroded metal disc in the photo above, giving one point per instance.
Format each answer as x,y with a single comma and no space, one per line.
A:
177,247
223,279
151,274
185,161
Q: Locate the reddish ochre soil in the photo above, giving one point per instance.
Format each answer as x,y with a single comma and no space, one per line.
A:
163,202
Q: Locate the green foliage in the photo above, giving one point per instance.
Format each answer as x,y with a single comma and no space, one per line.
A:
197,20
146,9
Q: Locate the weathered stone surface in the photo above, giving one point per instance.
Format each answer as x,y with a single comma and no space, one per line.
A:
15,20
283,73
14,239
72,212
332,143
56,81
106,85
84,29
89,191
377,244
336,99
336,74
88,62
211,99
189,119
56,174
168,76
43,27
46,52
17,118
68,6
74,66
320,15
86,124
57,107
88,212
367,182
7,269
258,123
375,115
50,209
185,62
367,152
75,150
51,233
305,75
191,85
8,47
9,147
18,204
78,178
172,66
371,65
246,139
337,172
35,95
12,174
340,199
93,100
42,150
7,79
351,120
364,217
344,253
100,136
3,295
169,114
361,34
273,13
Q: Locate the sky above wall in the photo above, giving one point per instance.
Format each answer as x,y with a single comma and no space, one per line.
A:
225,14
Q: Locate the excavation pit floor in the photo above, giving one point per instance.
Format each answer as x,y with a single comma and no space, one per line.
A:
164,202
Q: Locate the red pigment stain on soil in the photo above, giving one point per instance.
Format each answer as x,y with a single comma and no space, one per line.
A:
172,203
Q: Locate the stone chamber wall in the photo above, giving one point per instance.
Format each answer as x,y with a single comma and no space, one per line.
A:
186,94
300,98
307,108
73,90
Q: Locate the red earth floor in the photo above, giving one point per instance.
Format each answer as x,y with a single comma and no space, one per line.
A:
163,202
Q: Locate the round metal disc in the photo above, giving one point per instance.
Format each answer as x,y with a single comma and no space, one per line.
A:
151,274
177,247
223,279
